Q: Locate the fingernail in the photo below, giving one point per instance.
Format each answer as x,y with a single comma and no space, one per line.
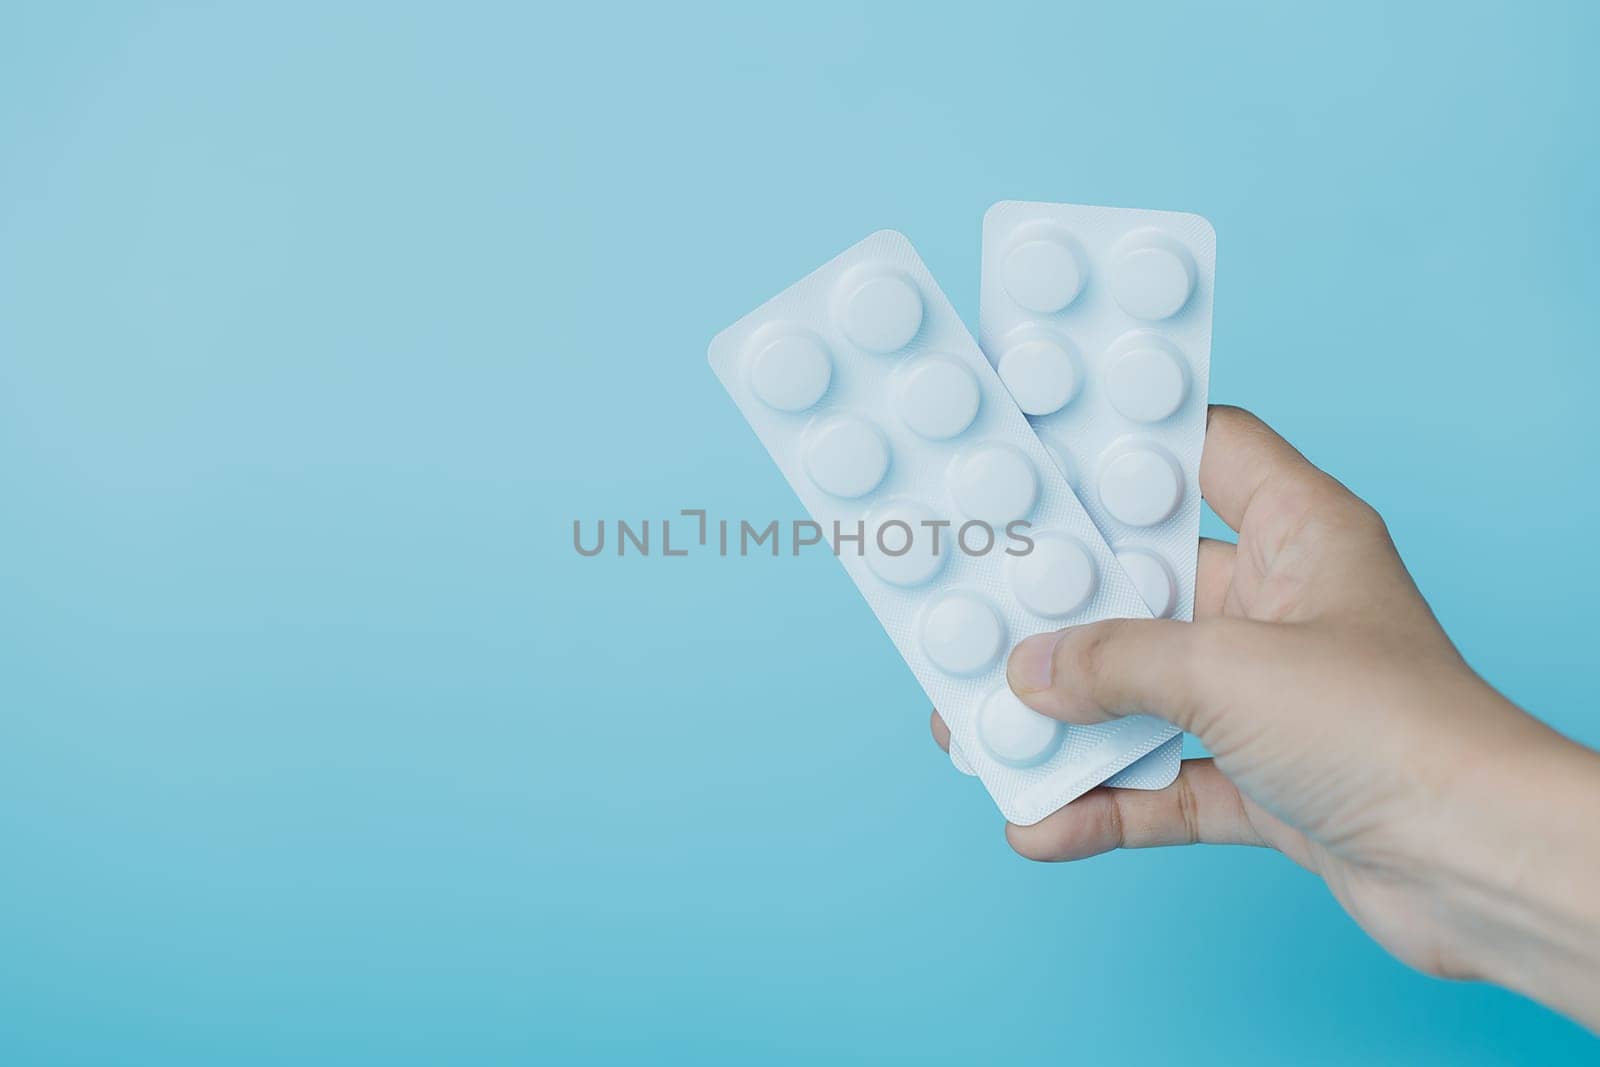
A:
1033,663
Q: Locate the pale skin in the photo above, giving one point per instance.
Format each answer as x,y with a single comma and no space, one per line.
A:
1347,733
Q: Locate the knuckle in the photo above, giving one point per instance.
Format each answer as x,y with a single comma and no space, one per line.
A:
1312,501
1333,508
1113,832
1188,810
1365,518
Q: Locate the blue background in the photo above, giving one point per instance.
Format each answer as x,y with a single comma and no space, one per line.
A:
318,742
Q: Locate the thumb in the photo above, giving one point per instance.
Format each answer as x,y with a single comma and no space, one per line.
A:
1104,670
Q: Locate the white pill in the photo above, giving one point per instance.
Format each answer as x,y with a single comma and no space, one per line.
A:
1040,375
937,397
1153,578
962,634
1057,578
1042,275
1151,281
995,483
791,371
900,526
846,456
880,312
1141,486
1146,383
1014,733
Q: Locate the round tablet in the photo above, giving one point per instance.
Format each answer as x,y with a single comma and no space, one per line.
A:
1153,578
1014,733
791,372
995,483
1057,578
1043,275
1151,281
846,456
1141,487
879,312
962,634
937,397
1146,383
1040,375
919,562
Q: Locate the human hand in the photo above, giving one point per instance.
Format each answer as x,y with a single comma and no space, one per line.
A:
1347,733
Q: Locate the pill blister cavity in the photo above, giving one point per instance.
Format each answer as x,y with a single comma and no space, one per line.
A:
1055,579
902,548
1141,486
1146,380
878,309
1040,373
937,397
789,369
1153,578
845,456
1151,276
1043,273
995,483
962,634
1014,733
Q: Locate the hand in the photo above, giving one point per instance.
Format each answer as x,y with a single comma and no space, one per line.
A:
1347,733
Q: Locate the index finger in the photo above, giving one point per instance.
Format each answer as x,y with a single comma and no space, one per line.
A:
1241,455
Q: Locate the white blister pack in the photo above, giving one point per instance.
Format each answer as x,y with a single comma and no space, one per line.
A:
891,426
1156,771
1099,323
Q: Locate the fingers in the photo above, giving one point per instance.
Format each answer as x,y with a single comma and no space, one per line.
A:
1201,806
1087,673
1181,671
1213,576
1242,454
941,732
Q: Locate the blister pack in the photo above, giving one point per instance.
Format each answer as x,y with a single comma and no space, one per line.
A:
942,505
1155,771
1099,323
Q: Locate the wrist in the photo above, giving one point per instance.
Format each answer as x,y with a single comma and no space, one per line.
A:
1527,886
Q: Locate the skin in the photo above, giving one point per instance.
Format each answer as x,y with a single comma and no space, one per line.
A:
1347,732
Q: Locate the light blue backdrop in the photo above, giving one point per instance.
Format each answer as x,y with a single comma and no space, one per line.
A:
319,744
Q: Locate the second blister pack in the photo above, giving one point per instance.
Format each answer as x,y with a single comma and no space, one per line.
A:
1098,321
